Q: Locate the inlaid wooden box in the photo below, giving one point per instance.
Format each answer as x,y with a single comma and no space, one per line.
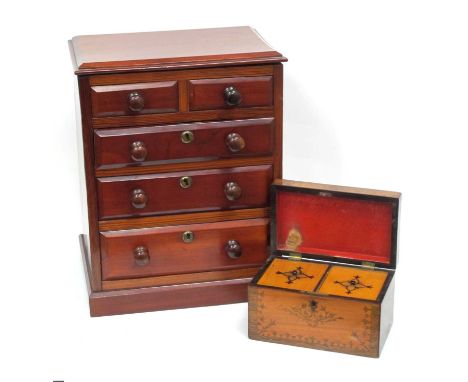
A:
329,281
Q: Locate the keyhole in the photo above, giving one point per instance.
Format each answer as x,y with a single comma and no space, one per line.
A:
313,305
187,136
185,181
187,236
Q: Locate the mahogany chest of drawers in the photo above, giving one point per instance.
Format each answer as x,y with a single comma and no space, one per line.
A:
181,137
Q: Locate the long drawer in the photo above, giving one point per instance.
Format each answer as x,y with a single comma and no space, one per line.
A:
183,142
190,191
183,249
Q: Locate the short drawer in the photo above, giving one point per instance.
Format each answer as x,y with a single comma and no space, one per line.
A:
134,99
226,93
190,191
184,249
180,143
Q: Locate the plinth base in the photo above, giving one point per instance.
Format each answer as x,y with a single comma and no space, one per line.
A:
137,300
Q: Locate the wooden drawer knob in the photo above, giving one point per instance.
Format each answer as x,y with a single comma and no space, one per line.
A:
235,142
233,249
141,255
232,191
139,198
232,96
138,151
136,102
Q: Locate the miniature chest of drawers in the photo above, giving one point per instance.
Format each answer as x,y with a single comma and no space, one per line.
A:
181,137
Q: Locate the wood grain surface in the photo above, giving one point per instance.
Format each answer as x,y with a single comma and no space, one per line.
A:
208,94
324,323
113,100
169,254
166,148
189,218
166,196
353,282
164,144
149,298
333,188
183,278
166,49
290,274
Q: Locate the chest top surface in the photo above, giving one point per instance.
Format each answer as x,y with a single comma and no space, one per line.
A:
170,50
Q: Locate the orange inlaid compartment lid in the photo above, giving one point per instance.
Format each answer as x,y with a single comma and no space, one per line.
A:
290,274
334,223
324,278
353,282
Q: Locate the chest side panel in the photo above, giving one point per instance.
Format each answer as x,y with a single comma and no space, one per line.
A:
323,323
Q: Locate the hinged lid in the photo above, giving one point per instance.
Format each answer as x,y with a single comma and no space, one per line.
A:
170,50
342,224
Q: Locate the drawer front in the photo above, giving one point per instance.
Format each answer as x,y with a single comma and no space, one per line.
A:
179,143
190,191
227,93
184,249
134,99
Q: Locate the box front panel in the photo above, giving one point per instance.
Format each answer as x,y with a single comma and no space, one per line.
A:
324,323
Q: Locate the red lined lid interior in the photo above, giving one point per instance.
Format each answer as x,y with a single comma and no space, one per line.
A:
334,226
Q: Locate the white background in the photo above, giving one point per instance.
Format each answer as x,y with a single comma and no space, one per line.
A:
376,95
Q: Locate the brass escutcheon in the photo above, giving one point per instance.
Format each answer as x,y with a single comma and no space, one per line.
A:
188,236
187,136
185,181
